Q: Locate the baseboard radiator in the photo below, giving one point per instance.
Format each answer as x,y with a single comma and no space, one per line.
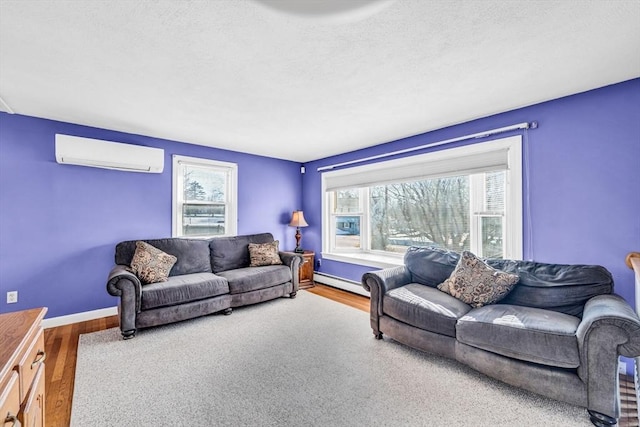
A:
633,262
340,283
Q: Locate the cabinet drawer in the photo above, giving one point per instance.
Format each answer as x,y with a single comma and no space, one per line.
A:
30,362
33,413
10,399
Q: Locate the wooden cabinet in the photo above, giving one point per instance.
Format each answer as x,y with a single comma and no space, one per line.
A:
305,272
22,358
33,411
306,269
10,399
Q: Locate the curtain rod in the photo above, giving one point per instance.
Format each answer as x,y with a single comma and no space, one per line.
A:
484,134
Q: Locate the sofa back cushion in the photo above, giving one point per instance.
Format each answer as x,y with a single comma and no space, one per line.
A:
430,265
192,254
559,287
229,253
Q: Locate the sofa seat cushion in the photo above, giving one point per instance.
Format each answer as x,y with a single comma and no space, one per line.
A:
182,289
254,278
424,307
525,333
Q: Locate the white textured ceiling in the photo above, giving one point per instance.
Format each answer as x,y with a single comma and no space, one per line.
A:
246,76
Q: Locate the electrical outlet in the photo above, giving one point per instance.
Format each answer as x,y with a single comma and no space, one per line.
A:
12,297
318,263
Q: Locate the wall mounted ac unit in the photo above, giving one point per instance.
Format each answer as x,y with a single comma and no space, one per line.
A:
74,150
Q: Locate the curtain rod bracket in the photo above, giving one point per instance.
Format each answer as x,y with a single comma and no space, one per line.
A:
6,106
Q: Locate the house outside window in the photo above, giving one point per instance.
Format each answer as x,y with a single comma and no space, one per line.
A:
465,198
204,197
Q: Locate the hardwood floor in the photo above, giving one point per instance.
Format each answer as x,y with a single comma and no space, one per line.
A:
61,345
344,297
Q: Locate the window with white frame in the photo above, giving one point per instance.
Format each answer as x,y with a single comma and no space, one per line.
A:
204,197
465,198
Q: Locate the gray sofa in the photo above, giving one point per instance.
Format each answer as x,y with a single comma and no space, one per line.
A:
209,276
558,333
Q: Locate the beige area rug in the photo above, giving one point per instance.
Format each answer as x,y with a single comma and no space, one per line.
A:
308,361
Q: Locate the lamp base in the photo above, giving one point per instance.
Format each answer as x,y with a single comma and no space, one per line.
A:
298,250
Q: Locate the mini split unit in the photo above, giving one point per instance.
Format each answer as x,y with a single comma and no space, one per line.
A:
74,150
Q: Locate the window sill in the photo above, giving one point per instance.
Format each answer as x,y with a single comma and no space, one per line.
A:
211,236
366,259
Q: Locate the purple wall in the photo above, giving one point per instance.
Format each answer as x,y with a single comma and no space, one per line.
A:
584,180
59,224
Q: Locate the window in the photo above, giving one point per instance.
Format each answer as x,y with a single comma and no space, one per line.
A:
466,198
346,218
204,197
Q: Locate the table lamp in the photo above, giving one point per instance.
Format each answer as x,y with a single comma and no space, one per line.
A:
297,220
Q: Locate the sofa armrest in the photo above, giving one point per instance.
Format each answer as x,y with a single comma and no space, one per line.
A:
378,283
126,285
386,279
293,261
613,312
609,328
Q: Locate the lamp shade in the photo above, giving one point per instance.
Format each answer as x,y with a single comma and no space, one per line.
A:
297,220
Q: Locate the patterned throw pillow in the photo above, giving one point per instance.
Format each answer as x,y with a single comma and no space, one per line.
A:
150,264
475,283
264,254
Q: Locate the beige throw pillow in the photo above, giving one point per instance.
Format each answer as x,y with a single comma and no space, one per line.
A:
150,264
264,254
475,283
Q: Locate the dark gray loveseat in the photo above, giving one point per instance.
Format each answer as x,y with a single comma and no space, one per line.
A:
209,276
558,333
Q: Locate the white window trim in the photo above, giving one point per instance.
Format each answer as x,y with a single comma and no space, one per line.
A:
231,211
513,198
371,259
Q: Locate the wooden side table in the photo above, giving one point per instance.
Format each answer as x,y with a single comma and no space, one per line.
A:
305,272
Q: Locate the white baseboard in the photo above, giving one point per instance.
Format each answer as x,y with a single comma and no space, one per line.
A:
79,317
340,283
